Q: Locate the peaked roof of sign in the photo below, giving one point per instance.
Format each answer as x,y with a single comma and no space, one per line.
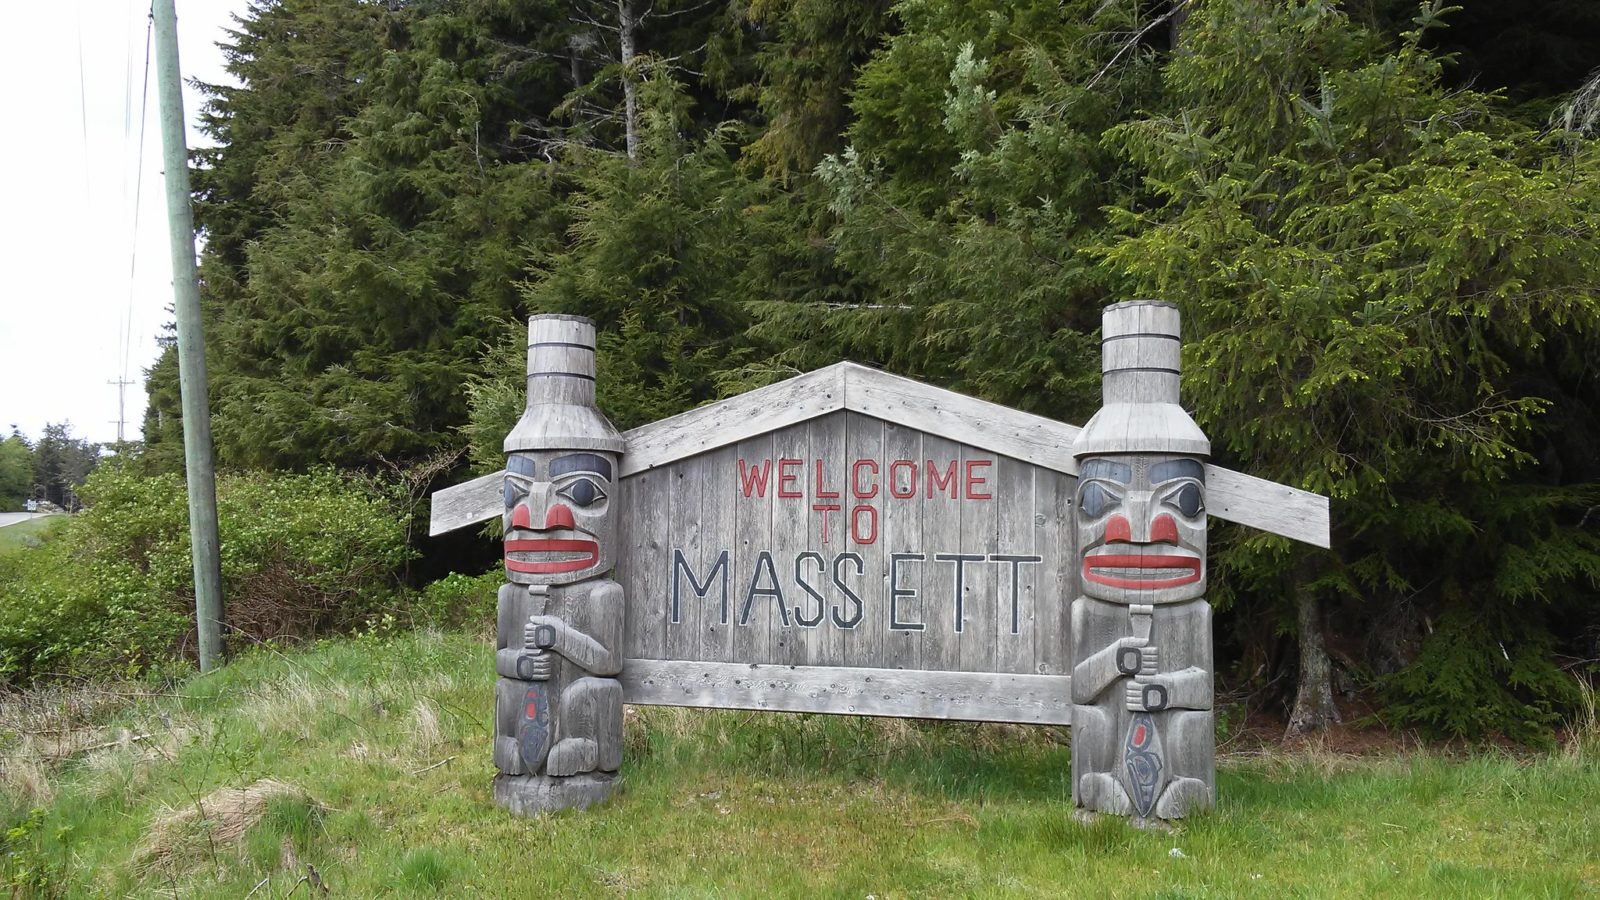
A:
850,386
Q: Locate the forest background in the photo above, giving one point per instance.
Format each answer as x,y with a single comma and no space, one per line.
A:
1378,219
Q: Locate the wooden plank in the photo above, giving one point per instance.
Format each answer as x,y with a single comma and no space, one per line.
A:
690,562
902,538
744,524
645,564
1029,699
791,538
732,420
1233,496
1054,495
467,503
980,591
717,475
861,476
1018,568
1268,506
828,444
985,425
941,536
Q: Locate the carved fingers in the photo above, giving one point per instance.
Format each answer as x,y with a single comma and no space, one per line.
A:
1147,694
1135,656
536,666
543,632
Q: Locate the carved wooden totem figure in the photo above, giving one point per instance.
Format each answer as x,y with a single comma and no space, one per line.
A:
1143,737
558,704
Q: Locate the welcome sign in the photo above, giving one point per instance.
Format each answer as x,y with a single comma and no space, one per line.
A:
850,541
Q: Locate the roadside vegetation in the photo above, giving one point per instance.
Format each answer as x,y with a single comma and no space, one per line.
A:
32,533
362,765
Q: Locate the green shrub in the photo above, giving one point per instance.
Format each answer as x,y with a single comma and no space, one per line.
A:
301,555
457,600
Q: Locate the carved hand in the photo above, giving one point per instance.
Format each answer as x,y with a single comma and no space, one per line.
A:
1135,656
1148,693
543,632
537,665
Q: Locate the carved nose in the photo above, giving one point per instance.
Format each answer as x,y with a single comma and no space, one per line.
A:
1118,529
558,517
1163,530
520,517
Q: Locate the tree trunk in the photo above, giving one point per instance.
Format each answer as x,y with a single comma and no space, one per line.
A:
1314,709
626,23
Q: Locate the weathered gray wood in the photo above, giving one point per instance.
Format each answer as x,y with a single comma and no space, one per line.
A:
1268,506
1017,581
1143,736
685,543
530,795
828,438
864,519
941,536
645,562
966,419
467,503
744,525
980,588
1235,497
790,532
1031,699
734,419
902,537
1058,582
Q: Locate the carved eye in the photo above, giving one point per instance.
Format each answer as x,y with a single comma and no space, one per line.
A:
1096,501
583,492
515,490
1187,500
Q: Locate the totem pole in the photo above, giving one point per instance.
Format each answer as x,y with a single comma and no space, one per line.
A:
558,705
1143,739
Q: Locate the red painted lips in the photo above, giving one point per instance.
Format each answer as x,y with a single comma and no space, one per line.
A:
1094,570
561,549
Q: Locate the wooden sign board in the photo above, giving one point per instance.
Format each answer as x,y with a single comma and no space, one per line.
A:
850,541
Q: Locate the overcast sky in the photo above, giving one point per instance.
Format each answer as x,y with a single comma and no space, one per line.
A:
83,291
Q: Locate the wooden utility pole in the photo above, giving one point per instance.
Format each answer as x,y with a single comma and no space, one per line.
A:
122,415
191,343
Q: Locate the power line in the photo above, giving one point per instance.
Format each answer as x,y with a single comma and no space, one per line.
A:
138,193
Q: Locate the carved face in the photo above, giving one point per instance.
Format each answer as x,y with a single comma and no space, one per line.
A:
558,523
1142,528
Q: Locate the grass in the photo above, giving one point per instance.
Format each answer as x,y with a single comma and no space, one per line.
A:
30,533
366,762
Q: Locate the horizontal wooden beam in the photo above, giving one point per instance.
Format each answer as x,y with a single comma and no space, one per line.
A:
730,421
1231,496
907,693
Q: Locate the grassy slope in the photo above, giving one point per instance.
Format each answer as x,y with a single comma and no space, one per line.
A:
14,538
733,803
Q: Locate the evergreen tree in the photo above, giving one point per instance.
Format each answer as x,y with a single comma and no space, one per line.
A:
61,462
16,471
1387,290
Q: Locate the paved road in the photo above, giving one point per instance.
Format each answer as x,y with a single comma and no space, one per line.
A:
14,518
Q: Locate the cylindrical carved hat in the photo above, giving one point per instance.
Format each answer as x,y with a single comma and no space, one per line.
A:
1139,359
561,413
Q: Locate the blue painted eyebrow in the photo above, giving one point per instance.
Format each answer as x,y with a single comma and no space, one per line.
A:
1105,468
1177,468
521,465
581,462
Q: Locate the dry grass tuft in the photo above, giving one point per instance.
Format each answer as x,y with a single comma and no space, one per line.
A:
425,731
44,729
220,817
1583,743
